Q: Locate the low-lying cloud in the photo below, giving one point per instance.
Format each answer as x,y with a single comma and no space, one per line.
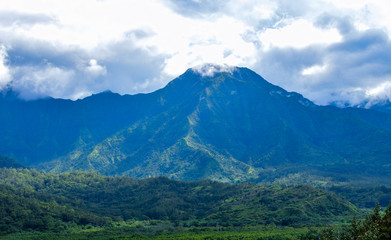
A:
210,69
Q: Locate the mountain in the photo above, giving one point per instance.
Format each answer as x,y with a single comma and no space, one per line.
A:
222,124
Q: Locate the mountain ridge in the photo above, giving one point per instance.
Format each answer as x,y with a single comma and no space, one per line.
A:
229,126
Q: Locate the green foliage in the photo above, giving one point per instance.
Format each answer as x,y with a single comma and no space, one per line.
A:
287,206
47,201
375,226
22,209
364,196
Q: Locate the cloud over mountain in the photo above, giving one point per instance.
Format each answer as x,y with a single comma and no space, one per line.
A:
5,76
328,50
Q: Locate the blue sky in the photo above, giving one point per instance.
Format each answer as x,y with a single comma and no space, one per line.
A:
327,50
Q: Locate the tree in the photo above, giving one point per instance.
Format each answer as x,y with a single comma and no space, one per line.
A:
385,226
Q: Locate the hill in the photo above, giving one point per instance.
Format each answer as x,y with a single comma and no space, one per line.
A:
31,200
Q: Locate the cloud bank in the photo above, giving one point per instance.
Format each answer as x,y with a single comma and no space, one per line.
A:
328,50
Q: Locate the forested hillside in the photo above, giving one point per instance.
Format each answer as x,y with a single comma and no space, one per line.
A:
41,201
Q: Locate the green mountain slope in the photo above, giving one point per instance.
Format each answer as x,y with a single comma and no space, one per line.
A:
231,126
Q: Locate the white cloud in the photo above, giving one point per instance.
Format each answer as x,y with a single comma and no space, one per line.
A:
366,13
349,4
47,81
365,97
209,69
299,34
252,11
379,93
185,41
129,46
23,20
5,75
315,69
208,42
94,69
88,23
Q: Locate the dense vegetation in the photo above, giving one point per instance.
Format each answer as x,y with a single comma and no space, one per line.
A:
31,200
364,197
376,226
81,205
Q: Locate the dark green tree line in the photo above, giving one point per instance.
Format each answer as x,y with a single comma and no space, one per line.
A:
376,226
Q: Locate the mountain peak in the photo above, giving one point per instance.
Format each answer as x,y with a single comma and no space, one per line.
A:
210,69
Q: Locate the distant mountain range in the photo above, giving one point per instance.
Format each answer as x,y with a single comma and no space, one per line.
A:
227,125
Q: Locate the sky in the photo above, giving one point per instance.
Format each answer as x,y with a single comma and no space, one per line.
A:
331,51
